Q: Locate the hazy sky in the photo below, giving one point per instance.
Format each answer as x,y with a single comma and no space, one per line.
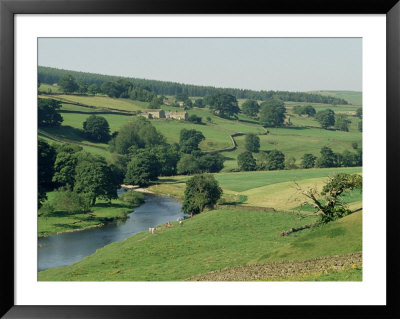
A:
292,64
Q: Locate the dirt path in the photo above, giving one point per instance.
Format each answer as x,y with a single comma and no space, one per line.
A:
281,268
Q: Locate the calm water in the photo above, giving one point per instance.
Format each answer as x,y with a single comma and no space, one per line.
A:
65,249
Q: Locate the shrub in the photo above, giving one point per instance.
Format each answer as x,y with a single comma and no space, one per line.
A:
72,202
133,199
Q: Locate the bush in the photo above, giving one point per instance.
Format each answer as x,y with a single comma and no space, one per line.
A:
194,119
133,199
46,210
72,202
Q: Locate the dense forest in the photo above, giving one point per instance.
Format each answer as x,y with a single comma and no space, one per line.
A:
53,75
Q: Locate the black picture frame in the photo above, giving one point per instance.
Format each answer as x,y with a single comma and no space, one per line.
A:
9,8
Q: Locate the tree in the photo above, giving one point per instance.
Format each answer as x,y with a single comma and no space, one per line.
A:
198,103
326,118
188,102
64,169
46,159
342,123
331,205
68,84
252,143
48,115
359,126
308,160
272,113
211,163
82,87
250,107
225,105
142,169
194,119
94,179
275,160
155,103
202,191
188,165
181,97
96,128
290,163
359,112
189,140
93,89
327,158
137,132
304,110
167,158
246,162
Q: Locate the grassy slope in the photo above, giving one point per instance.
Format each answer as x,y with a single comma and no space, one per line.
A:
62,221
353,97
210,241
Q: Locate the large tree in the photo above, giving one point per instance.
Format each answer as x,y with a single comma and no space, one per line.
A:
48,115
308,160
96,128
246,162
326,118
68,84
142,169
202,191
252,143
250,107
189,140
342,122
275,160
327,158
94,179
225,105
329,202
272,113
46,159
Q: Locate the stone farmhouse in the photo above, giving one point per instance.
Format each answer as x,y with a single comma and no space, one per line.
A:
153,114
176,115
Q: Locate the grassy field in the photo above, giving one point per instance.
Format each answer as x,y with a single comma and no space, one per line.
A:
63,221
211,241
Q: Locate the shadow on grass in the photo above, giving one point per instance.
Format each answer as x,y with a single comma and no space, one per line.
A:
66,132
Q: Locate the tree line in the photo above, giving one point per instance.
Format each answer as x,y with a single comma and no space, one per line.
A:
53,75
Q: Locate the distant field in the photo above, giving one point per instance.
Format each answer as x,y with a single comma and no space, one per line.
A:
102,102
353,97
47,88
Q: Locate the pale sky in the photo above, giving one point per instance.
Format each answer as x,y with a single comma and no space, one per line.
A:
289,64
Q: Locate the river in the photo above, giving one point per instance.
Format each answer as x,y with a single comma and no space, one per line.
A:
68,248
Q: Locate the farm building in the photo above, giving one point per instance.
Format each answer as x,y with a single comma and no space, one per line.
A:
176,115
153,114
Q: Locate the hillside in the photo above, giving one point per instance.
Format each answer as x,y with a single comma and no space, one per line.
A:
353,97
213,240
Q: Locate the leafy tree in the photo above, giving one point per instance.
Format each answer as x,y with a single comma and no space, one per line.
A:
359,126
342,122
48,115
331,205
70,201
182,97
308,160
198,103
94,178
275,160
327,158
252,143
359,112
68,84
202,191
326,118
188,165
93,89
189,140
96,128
290,163
188,102
137,132
211,163
208,100
246,162
167,158
82,87
143,94
64,169
194,119
354,145
142,169
225,105
304,110
155,103
46,159
272,113
250,107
